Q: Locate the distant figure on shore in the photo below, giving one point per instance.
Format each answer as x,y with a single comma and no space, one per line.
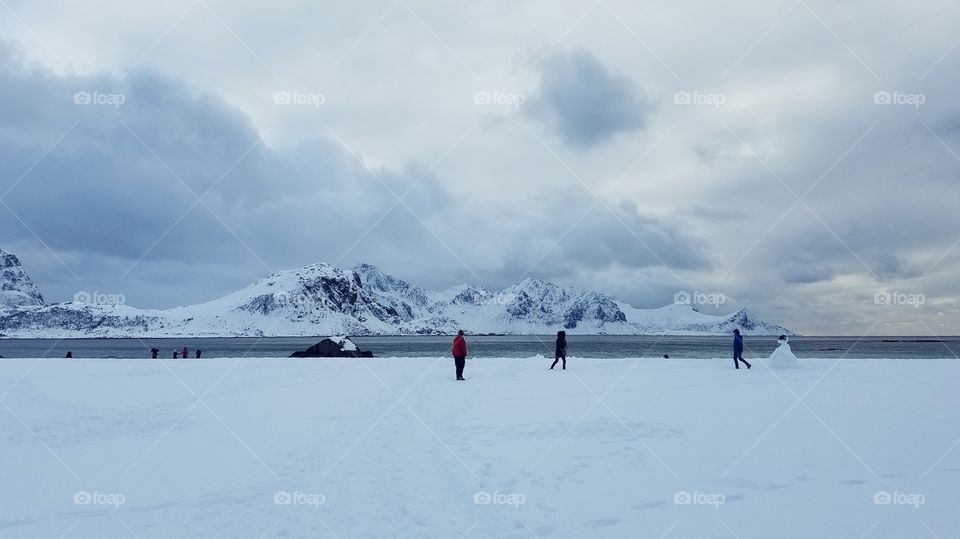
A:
782,357
199,351
185,354
560,351
460,353
738,350
176,355
154,352
69,354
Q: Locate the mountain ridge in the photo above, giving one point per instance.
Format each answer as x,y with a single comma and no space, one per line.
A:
320,299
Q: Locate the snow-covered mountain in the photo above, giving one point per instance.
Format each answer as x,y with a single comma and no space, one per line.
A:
323,300
16,288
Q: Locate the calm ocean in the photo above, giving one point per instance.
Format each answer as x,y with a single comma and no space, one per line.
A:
593,346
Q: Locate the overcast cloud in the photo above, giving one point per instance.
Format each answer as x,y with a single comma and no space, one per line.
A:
800,158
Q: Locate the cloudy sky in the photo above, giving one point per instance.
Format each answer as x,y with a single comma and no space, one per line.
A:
799,157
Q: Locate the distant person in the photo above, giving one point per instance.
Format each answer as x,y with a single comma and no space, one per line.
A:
199,351
185,354
460,353
69,354
782,357
560,351
176,355
738,350
154,352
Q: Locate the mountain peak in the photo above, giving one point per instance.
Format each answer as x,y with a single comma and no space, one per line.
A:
16,288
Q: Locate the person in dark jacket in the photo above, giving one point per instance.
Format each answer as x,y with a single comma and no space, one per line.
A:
69,354
154,352
185,354
560,351
176,355
199,351
738,350
460,353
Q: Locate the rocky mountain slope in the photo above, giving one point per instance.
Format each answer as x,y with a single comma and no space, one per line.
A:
16,288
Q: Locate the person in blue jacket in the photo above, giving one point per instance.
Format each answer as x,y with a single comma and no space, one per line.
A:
738,350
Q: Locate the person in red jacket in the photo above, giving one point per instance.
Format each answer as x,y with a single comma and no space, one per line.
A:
460,353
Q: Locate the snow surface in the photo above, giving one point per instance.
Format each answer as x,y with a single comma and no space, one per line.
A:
396,448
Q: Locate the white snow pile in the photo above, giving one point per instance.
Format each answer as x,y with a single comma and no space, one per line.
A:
782,357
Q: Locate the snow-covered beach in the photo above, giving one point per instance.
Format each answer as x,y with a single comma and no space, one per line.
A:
395,448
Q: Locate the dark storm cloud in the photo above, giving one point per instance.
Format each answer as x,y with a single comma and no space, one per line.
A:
891,266
584,103
573,237
805,273
122,184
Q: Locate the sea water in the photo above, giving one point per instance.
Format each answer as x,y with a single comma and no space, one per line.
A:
526,346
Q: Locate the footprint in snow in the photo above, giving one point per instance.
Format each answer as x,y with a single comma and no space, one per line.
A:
602,522
543,531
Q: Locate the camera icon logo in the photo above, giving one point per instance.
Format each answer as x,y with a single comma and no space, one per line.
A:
82,498
682,98
882,98
282,498
282,98
483,498
882,498
82,97
482,98
883,298
682,297
682,498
